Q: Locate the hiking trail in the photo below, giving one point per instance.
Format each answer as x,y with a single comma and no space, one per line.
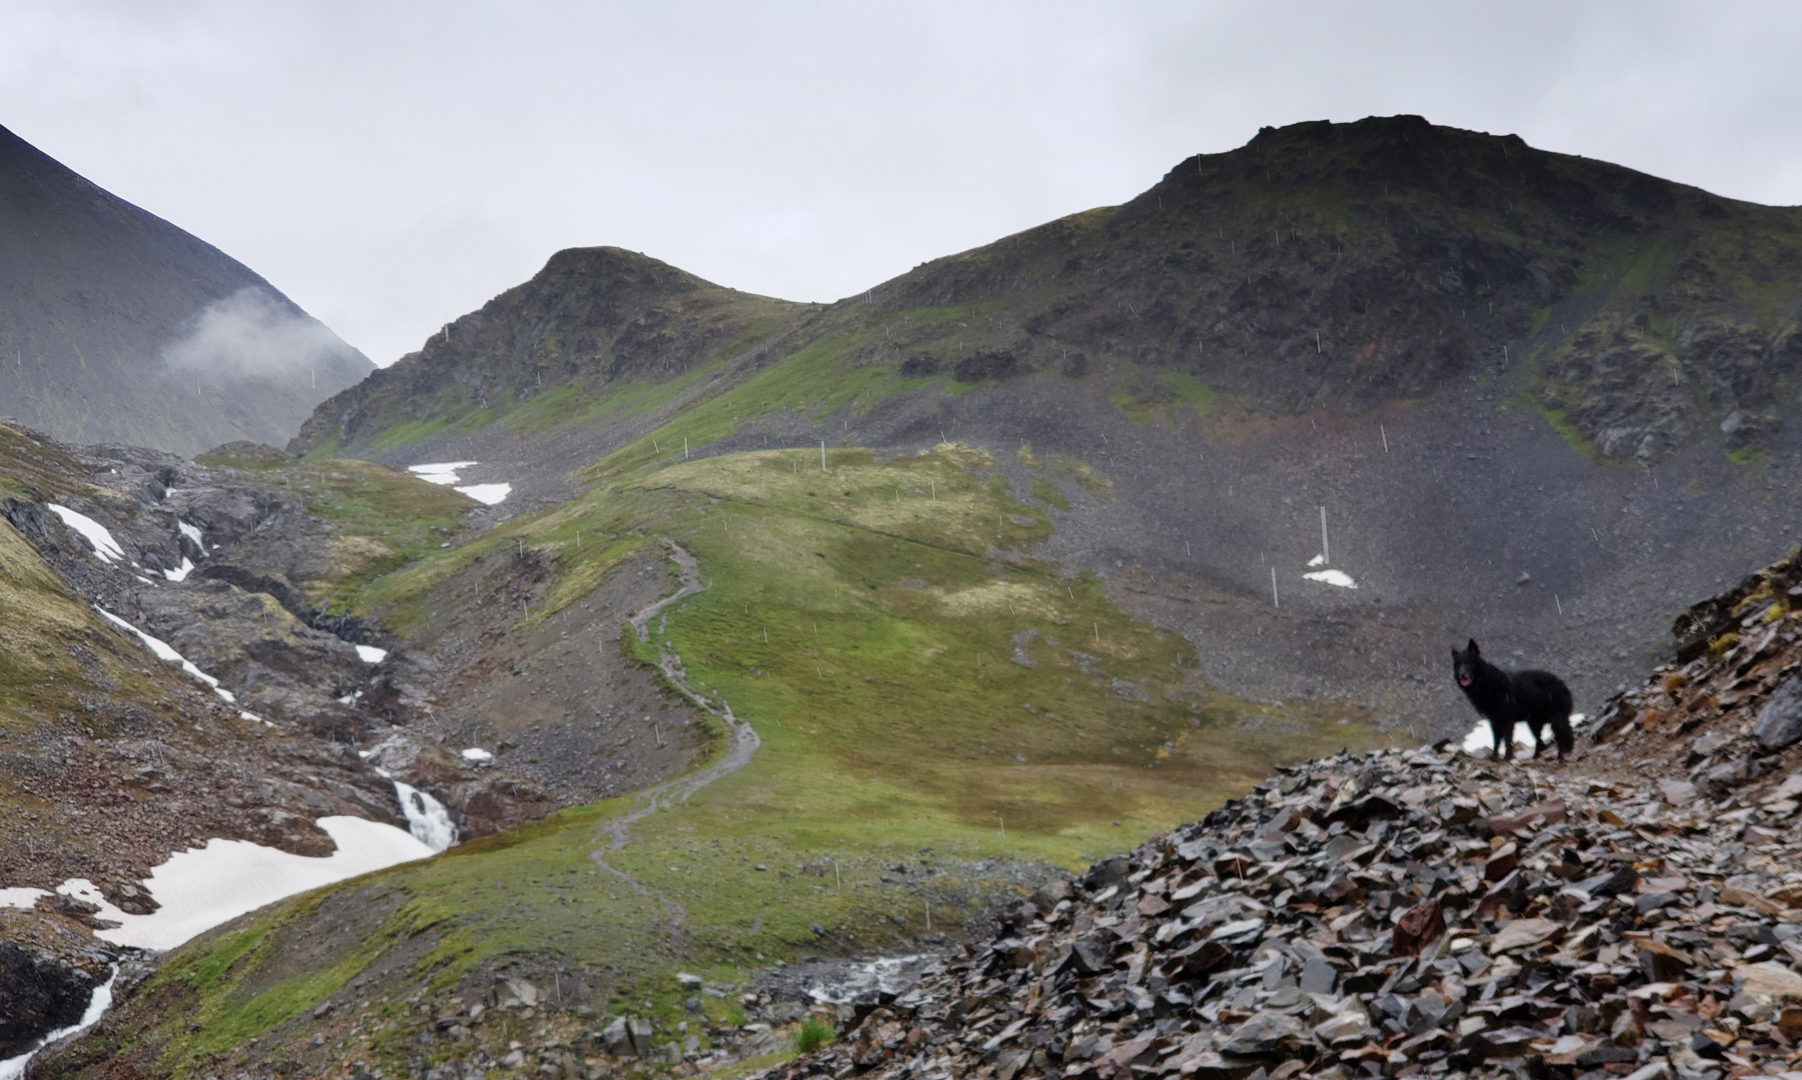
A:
671,792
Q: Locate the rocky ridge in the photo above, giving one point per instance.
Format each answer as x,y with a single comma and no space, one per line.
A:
1425,912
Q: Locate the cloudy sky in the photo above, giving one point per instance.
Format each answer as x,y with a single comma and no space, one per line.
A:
393,165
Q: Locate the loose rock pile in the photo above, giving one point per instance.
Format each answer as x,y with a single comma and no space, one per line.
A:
1400,913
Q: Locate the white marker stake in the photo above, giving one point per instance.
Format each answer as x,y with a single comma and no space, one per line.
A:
1385,438
684,448
1325,558
822,455
1274,601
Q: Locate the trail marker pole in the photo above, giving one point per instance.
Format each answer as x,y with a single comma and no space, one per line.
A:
1325,558
822,455
1385,434
1274,600
684,448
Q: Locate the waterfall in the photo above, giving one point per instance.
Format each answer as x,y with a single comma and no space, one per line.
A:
427,819
100,1000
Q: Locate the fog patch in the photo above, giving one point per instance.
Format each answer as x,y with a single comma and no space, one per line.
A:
255,333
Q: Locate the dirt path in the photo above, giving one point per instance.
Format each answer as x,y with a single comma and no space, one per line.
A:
671,792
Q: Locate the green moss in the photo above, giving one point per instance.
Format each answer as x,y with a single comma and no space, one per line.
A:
1568,431
408,431
1049,495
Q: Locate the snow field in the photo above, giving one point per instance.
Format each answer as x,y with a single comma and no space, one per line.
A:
445,472
164,652
202,887
104,545
490,494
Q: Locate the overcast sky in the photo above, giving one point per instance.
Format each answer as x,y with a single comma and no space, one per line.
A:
391,166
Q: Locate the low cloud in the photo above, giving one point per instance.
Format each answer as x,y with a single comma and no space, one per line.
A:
253,333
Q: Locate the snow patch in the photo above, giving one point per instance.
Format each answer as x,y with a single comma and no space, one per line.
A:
1481,739
21,897
1318,560
489,494
476,753
369,654
193,533
98,1002
165,653
187,567
441,472
1332,577
104,545
202,887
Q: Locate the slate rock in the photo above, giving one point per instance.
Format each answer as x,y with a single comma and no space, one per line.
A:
1266,1033
1779,723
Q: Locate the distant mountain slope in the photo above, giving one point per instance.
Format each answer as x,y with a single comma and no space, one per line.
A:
1513,380
117,326
1321,265
594,324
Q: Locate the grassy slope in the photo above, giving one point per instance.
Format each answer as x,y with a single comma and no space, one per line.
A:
64,651
384,518
895,727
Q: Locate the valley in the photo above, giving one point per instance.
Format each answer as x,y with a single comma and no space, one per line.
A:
753,640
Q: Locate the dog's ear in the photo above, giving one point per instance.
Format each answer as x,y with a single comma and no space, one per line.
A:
1472,649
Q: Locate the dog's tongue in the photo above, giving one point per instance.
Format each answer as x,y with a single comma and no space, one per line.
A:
1463,680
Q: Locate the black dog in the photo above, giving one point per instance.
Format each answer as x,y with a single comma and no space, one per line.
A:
1535,698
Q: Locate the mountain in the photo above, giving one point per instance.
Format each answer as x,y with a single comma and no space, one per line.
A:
749,640
122,328
1509,380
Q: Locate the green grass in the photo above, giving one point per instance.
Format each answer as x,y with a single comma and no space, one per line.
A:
1161,395
866,620
408,431
1567,431
814,1033
384,518
1048,494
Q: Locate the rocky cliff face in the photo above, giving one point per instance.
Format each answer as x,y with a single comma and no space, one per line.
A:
120,327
